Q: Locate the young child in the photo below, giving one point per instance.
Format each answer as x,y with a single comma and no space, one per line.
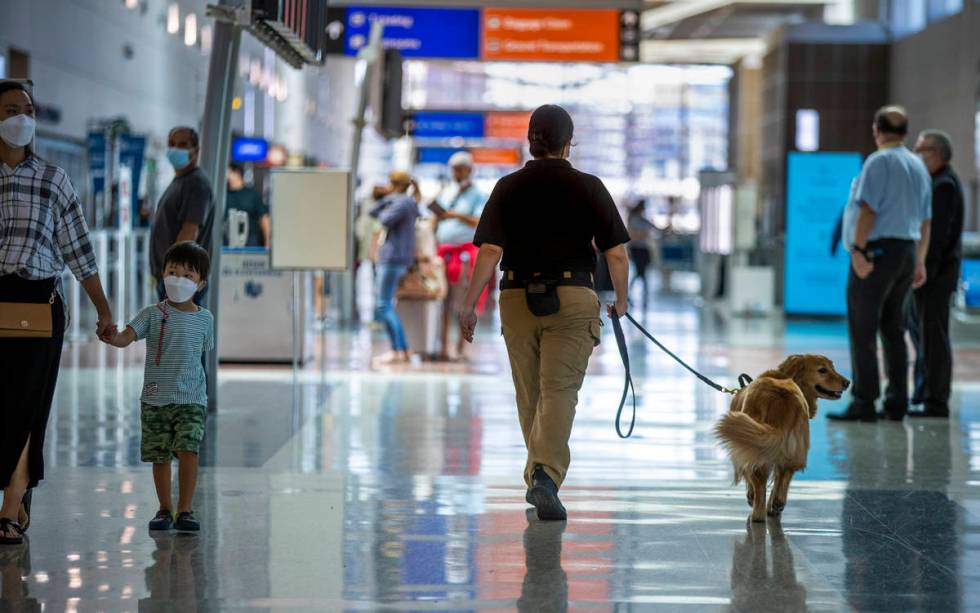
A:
174,400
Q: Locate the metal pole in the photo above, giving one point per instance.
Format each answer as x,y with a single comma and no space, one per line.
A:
344,282
214,159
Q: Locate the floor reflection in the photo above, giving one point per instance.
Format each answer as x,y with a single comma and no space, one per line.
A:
15,570
545,587
175,580
756,587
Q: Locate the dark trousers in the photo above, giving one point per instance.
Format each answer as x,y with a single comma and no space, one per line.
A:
876,305
929,329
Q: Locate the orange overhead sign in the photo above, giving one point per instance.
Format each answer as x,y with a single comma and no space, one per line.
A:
555,35
496,157
507,124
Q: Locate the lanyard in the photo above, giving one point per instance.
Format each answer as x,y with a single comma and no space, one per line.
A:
163,328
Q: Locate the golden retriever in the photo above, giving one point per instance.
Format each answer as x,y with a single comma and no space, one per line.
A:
767,429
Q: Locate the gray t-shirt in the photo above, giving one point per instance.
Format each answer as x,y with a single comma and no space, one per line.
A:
188,199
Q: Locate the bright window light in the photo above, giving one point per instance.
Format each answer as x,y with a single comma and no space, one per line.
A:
807,130
131,4
207,38
173,18
190,30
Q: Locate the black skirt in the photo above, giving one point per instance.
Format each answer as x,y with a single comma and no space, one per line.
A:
28,373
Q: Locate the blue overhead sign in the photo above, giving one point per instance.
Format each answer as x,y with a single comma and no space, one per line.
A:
427,124
417,32
247,149
817,188
436,155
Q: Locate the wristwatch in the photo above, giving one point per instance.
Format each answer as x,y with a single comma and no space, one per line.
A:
869,256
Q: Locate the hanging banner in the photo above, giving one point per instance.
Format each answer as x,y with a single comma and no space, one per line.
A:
551,35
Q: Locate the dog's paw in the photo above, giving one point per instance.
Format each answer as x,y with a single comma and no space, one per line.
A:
776,508
761,517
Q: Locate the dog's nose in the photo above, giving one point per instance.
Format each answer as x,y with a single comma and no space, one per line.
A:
847,384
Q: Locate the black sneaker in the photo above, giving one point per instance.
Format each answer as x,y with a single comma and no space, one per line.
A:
186,522
163,520
543,495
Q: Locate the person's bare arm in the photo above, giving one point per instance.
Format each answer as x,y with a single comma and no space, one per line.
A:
188,232
266,224
486,263
618,262
93,287
469,220
922,249
123,339
865,223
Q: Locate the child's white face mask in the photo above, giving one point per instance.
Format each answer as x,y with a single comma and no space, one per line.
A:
179,289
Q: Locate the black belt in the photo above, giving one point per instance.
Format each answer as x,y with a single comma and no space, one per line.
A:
515,280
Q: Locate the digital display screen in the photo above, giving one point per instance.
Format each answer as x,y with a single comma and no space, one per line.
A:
817,189
244,149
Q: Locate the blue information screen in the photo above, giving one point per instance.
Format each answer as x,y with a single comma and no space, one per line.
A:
971,282
417,32
245,149
817,188
427,124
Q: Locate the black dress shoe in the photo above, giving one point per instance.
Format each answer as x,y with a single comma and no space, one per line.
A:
890,416
932,411
543,495
854,414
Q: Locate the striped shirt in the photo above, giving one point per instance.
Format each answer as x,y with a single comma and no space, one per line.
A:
175,342
42,228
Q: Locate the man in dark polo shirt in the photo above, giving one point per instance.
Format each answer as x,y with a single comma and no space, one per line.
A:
934,353
186,209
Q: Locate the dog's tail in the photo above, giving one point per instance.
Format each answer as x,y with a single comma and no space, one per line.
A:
750,444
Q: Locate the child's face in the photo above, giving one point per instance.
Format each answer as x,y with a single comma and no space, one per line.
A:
180,270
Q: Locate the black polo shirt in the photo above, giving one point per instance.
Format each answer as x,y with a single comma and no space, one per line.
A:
545,217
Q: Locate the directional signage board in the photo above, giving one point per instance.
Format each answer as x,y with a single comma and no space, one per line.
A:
571,35
417,32
433,124
507,34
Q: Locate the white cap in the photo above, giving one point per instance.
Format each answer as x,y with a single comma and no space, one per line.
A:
461,158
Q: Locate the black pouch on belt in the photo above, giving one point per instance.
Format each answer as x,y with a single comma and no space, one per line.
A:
542,296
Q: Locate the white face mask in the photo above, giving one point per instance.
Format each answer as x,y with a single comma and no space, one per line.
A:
17,131
179,289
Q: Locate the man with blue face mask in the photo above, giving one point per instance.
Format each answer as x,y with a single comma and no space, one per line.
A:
186,209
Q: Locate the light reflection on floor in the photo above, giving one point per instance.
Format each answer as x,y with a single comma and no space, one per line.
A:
346,489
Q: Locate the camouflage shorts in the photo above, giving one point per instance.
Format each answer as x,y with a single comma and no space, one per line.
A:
169,429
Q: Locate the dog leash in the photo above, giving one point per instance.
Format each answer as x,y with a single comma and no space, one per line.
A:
628,388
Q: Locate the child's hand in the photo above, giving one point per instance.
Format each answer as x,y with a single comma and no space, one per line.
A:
109,334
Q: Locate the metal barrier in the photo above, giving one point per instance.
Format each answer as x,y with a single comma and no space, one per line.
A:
124,266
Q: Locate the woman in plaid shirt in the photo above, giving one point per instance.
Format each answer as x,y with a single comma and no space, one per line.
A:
42,230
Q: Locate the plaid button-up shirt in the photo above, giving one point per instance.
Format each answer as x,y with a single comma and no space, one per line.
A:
42,228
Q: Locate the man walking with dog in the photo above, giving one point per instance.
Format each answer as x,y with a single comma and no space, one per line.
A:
934,354
886,229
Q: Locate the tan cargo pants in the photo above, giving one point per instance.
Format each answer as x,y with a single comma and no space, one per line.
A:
548,359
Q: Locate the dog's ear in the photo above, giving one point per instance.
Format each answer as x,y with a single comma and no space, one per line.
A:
793,366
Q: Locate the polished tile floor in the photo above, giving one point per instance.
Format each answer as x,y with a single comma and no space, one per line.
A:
345,489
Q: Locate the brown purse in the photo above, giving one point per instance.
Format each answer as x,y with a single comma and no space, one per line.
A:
26,319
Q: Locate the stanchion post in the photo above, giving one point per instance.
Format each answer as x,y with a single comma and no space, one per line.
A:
214,159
